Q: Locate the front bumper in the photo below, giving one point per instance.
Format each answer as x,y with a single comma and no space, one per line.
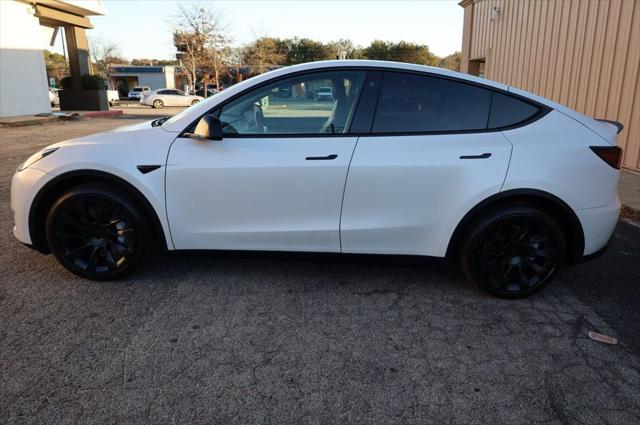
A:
25,185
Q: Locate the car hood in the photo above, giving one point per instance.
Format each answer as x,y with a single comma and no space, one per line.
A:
122,148
134,134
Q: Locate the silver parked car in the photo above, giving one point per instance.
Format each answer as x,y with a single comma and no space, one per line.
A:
168,97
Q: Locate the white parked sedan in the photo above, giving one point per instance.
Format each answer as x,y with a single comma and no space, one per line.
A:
168,97
404,160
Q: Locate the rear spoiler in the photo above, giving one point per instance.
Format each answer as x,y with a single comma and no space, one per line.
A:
616,123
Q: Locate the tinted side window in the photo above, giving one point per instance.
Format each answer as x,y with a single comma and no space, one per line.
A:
507,111
417,103
164,92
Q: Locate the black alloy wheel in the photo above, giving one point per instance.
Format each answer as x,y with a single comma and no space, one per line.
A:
514,252
96,232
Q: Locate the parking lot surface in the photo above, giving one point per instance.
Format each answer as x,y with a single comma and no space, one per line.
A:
207,338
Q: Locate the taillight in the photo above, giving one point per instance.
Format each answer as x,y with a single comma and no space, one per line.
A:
612,155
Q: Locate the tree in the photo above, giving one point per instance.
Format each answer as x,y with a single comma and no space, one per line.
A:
300,50
451,62
156,62
104,54
263,54
199,36
56,64
400,52
344,47
378,50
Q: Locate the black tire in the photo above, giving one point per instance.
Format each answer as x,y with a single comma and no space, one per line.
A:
194,101
98,232
513,251
158,104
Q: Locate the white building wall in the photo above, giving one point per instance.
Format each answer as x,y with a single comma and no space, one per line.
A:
153,80
23,76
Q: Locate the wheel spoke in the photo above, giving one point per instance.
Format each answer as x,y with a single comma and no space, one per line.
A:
535,267
70,220
92,264
544,252
524,280
112,264
504,282
69,235
540,236
69,253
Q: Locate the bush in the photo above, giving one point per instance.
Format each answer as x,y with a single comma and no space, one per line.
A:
89,82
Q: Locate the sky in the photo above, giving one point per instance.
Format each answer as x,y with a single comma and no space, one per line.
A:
142,28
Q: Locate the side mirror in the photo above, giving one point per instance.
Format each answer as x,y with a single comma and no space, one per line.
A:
209,127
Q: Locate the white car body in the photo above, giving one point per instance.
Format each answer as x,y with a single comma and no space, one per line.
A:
113,97
383,194
168,97
137,91
54,98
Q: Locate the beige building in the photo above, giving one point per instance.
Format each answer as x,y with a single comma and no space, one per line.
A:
581,53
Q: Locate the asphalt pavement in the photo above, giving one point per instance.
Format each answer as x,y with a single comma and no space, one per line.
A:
206,338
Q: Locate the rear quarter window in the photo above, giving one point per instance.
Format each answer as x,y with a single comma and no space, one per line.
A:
507,111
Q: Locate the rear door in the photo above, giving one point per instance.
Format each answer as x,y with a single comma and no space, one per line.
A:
427,161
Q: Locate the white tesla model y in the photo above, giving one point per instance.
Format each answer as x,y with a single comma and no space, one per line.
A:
403,160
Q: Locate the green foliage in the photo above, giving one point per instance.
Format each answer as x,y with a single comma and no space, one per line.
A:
300,50
400,52
451,62
89,82
56,65
154,62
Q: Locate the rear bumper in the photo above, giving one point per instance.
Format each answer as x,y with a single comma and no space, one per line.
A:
598,225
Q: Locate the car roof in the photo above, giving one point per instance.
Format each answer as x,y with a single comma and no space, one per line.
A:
180,121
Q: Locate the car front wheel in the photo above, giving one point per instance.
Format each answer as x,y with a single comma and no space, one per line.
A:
97,232
513,251
194,102
158,104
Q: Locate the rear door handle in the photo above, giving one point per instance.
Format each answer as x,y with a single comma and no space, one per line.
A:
483,156
321,158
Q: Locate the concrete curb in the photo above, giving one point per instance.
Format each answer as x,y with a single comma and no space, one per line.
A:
27,121
71,115
101,114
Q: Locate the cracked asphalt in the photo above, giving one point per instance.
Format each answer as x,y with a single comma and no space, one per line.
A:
206,338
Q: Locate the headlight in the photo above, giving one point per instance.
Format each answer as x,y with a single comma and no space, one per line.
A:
36,157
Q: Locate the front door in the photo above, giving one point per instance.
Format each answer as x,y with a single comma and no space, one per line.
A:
276,180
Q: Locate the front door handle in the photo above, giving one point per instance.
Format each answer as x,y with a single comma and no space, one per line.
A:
483,156
321,158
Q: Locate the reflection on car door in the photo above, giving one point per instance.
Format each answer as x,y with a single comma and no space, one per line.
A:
406,191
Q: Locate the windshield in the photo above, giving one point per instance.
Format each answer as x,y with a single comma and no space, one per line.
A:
137,89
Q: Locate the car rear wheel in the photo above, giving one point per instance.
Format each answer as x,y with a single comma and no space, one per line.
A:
158,104
194,102
513,251
97,232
